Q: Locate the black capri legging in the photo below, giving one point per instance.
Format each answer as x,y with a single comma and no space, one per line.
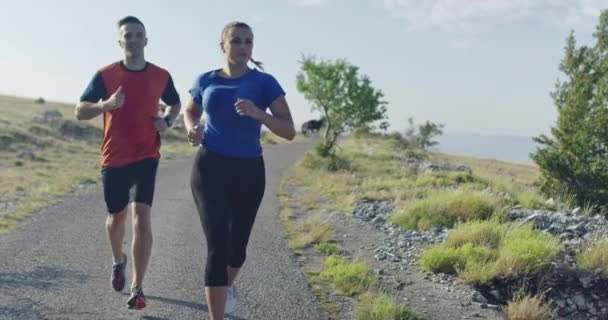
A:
227,192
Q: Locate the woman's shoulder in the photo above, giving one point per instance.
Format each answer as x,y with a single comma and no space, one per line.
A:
207,74
205,77
265,76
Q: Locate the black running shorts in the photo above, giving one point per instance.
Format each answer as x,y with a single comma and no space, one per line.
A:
133,182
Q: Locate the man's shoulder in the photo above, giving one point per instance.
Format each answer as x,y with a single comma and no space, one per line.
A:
111,67
155,68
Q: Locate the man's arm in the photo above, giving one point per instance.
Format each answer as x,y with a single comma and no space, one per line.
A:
90,105
88,110
171,98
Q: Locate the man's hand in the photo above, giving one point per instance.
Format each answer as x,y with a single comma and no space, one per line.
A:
160,124
116,101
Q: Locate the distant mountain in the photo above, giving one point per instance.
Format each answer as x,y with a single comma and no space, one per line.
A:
500,147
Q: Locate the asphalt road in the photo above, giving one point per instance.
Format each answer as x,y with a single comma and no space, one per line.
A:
57,265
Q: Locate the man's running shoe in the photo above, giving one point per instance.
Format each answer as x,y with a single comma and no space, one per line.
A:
137,300
118,274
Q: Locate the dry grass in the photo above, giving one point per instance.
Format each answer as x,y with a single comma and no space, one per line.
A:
525,307
595,256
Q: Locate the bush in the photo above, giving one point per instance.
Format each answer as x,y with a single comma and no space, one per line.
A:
526,251
328,248
532,200
595,257
444,209
524,307
487,233
382,308
454,260
480,251
347,278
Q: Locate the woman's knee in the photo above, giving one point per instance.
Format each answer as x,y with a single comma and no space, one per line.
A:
237,259
215,272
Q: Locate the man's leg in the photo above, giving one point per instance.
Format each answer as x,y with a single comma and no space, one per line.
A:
116,194
115,231
141,246
143,196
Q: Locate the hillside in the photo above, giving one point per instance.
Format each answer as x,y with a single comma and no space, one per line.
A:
46,154
442,236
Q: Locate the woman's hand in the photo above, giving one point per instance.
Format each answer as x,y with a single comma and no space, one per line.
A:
246,107
195,135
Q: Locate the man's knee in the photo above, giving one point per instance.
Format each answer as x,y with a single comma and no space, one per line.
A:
117,219
141,216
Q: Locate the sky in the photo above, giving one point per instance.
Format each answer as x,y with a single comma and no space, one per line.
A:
478,66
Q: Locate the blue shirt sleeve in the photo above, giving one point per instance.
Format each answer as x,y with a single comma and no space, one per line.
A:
95,91
197,90
272,90
170,96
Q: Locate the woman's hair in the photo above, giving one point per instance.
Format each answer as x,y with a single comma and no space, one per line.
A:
238,24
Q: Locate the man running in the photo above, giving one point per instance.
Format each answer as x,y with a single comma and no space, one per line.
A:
127,93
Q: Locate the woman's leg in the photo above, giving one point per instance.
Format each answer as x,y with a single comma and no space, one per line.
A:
210,196
246,196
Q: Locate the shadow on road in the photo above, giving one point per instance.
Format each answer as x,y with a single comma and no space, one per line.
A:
41,278
189,304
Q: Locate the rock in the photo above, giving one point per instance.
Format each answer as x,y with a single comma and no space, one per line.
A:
26,154
478,297
48,116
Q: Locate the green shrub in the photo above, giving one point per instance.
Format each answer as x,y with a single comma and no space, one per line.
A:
444,209
347,278
382,308
488,233
595,256
328,248
526,251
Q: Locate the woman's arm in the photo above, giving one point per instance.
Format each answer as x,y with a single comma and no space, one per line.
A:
192,118
279,122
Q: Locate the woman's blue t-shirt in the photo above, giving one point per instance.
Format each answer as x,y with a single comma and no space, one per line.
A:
227,132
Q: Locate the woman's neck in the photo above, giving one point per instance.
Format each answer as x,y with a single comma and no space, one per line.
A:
234,70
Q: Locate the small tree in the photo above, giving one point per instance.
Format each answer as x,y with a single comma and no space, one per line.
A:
346,99
427,132
422,136
575,160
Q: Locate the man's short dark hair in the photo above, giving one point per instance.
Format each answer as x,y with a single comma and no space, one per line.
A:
130,19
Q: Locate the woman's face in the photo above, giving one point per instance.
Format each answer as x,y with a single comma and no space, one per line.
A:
238,45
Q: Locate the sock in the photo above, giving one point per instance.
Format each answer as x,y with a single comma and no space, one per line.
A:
122,259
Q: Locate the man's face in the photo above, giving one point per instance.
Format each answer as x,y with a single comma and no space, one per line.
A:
132,39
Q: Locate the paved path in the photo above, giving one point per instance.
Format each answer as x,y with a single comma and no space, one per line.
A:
57,266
